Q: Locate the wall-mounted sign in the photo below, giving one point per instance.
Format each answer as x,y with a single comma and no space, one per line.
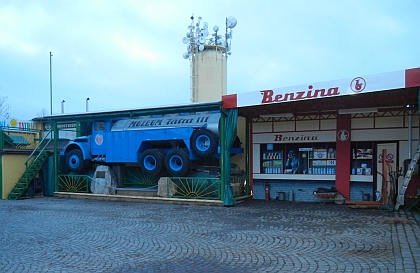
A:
343,135
19,125
60,126
351,86
301,137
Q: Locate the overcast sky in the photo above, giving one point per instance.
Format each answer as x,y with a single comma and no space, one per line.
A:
129,54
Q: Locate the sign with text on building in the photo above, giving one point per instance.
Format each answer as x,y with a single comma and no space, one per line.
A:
61,126
66,130
295,137
351,86
17,125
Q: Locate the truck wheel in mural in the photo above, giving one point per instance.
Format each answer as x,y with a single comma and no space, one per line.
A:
74,161
204,143
151,161
177,162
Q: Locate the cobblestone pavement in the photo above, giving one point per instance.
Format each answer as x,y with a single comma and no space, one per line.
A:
47,234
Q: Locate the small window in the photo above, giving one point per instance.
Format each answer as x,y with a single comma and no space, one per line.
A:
99,125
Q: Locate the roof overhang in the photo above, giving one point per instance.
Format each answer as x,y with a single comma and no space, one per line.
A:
389,90
161,110
400,98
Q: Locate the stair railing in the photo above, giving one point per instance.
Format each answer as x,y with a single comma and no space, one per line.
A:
37,152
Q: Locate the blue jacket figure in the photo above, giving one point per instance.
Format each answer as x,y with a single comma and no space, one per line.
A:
292,163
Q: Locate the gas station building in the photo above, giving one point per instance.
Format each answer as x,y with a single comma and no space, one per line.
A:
355,135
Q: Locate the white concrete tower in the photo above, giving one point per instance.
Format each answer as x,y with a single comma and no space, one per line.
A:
208,60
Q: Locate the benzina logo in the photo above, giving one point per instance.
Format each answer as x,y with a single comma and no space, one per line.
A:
358,84
294,138
269,96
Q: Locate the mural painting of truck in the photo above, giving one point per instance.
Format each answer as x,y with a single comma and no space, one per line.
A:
157,144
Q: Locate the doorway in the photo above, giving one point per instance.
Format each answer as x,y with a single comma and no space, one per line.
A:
386,162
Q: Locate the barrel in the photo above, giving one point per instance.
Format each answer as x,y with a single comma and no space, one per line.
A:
281,195
291,196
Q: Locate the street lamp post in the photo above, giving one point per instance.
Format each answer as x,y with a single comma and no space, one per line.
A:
51,104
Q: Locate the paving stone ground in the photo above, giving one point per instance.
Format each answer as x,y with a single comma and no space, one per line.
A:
47,234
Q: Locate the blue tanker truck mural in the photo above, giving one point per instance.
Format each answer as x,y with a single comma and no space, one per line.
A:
157,144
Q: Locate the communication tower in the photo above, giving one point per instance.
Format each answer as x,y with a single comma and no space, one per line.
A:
208,59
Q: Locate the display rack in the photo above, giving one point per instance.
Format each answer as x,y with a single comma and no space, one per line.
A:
322,161
272,162
319,160
362,158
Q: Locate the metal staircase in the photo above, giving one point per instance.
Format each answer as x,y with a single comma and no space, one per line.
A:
33,165
407,178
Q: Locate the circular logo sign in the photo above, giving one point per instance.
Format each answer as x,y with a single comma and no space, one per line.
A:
99,139
13,122
47,126
343,135
358,84
389,158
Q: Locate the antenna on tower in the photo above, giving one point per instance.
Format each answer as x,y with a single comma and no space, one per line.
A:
198,36
207,52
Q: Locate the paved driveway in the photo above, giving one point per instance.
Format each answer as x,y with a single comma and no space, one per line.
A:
73,235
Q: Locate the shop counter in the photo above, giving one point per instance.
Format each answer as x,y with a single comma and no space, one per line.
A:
321,177
361,178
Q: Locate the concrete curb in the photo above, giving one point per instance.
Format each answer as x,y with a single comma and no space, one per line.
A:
144,199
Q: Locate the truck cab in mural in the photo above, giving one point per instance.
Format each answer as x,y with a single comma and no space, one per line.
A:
172,143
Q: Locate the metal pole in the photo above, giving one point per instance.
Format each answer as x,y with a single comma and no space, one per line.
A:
87,104
51,104
410,132
62,106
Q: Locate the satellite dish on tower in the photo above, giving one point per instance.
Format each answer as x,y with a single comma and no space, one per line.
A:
198,37
231,22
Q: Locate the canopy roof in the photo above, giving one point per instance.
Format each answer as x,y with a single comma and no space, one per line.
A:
15,141
400,98
162,110
389,90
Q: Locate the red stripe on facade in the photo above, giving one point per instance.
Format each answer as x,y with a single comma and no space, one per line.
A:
412,77
343,157
230,101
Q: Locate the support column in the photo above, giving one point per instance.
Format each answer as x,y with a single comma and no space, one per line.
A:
343,155
55,168
248,162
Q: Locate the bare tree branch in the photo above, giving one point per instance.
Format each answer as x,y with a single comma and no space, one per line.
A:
4,109
42,114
